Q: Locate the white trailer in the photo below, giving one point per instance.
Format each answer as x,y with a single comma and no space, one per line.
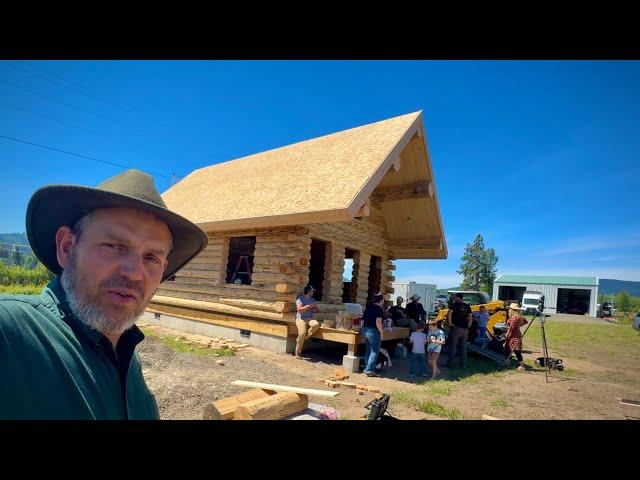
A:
426,291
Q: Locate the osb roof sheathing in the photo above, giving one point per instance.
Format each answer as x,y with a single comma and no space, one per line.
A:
319,180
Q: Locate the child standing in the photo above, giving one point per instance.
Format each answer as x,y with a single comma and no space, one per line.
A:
418,358
434,345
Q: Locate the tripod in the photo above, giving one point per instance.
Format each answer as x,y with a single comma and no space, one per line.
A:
545,351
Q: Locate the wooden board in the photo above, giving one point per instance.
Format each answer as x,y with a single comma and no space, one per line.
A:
272,407
285,388
223,409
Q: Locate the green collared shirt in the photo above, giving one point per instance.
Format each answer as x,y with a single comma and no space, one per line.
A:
53,366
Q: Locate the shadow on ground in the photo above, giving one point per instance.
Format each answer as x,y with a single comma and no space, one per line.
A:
331,353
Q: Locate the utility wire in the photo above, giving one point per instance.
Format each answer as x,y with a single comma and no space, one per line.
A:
78,155
97,115
6,104
85,91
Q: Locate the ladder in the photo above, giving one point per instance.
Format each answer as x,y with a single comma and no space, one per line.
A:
236,271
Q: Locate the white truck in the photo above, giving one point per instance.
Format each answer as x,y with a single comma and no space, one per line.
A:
426,291
530,301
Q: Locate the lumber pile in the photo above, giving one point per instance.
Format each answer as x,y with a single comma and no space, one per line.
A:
257,404
336,380
262,403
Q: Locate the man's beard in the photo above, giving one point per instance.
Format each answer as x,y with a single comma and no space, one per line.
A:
87,309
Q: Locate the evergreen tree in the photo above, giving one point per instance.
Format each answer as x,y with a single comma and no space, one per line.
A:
478,266
623,302
489,272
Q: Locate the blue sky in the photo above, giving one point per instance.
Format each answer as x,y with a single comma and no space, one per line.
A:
540,157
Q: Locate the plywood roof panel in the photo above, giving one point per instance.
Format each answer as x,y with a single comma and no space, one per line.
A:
321,174
325,179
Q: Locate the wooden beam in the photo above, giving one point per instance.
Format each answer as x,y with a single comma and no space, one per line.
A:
416,243
418,253
364,211
421,189
223,409
396,163
214,307
270,328
272,407
285,388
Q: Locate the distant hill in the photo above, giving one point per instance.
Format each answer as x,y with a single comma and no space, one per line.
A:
610,287
443,291
15,238
23,257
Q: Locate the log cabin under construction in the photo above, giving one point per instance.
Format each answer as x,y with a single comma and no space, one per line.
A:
293,216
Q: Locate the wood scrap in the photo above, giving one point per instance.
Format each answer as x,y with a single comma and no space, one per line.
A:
220,362
488,417
273,407
633,403
368,388
285,388
347,384
223,409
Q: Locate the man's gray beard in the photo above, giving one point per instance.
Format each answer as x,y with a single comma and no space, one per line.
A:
91,314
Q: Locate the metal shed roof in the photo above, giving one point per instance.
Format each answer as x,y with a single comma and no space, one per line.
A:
549,280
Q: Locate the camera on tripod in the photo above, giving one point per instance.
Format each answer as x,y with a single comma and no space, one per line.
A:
541,304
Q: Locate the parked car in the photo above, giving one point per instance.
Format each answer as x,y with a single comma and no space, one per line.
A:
607,309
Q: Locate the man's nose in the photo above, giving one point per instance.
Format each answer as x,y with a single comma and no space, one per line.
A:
131,267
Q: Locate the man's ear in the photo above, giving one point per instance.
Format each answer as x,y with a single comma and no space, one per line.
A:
65,241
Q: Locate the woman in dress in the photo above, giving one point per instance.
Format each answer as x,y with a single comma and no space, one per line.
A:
513,341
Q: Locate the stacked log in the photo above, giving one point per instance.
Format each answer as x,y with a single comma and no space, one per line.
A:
280,271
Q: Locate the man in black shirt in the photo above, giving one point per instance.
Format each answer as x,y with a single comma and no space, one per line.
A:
399,314
459,319
416,311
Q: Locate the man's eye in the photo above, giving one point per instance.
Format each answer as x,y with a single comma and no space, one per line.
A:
153,259
114,246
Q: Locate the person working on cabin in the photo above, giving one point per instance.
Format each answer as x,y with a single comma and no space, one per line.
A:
459,319
416,311
70,352
307,326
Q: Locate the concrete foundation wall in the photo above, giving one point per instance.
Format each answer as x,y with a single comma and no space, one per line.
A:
261,340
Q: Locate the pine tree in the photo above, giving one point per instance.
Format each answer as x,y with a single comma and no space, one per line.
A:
471,264
623,302
478,266
489,270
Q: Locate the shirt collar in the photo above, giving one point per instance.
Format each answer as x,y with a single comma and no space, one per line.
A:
55,298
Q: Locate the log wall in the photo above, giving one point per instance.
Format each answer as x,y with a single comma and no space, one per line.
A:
281,269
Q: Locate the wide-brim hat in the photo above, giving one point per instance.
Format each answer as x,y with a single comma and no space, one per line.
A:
53,206
514,306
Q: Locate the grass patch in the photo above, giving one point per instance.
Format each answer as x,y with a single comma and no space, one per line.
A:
223,352
434,408
21,289
438,387
181,346
499,403
401,396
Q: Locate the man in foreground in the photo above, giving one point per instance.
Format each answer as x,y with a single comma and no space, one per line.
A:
69,353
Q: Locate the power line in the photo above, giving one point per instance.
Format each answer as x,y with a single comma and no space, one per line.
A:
97,115
6,104
105,99
78,155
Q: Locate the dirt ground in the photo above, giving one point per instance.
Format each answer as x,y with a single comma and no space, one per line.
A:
184,382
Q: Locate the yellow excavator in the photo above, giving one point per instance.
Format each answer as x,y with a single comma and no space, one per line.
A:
496,309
